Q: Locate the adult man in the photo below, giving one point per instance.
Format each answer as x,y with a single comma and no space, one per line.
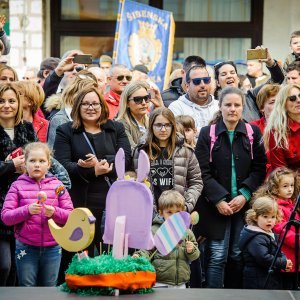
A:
178,86
105,63
255,73
293,72
47,65
100,76
197,102
119,76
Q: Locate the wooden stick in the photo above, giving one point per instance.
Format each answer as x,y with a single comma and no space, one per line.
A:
100,249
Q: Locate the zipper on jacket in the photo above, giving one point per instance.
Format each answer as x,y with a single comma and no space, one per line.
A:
42,223
177,267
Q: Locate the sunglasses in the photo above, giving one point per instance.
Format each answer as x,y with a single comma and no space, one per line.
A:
140,99
121,77
78,69
293,98
197,81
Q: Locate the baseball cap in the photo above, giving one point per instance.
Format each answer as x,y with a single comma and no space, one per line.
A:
141,68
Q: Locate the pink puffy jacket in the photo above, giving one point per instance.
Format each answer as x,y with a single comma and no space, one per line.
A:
33,229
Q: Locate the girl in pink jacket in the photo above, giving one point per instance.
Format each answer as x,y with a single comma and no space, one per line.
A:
32,199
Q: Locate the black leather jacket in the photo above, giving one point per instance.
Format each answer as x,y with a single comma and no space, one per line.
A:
173,92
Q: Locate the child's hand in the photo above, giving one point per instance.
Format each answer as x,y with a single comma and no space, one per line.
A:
189,246
49,210
289,265
135,255
35,208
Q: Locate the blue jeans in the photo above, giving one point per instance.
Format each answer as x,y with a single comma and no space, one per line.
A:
37,266
219,251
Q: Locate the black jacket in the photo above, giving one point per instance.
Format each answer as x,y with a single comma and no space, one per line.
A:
216,175
70,146
258,250
173,92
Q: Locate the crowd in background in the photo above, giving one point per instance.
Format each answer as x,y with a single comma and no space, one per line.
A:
227,143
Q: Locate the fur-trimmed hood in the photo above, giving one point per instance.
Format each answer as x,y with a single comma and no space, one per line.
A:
53,102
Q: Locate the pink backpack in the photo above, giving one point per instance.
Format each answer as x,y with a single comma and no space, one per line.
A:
213,138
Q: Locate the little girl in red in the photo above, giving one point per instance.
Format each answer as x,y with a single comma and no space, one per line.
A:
281,186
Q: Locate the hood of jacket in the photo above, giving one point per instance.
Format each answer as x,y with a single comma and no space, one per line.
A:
184,98
53,102
248,233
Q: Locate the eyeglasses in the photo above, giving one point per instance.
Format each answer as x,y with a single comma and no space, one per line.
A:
140,99
159,126
293,98
197,81
121,77
94,105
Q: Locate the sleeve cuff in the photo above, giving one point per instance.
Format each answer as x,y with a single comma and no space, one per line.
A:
246,193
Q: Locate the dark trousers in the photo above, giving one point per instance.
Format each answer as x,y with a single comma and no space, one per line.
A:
7,262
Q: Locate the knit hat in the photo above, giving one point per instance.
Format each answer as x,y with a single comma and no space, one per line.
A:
105,58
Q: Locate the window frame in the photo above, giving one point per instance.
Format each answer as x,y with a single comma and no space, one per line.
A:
106,28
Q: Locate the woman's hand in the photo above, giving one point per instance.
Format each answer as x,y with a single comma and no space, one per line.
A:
224,208
49,210
89,162
289,265
19,163
35,208
237,203
156,98
103,167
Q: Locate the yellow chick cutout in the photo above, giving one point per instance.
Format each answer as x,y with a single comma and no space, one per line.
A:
78,233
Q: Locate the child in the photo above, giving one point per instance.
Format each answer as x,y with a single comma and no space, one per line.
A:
190,129
37,254
173,270
258,246
295,47
281,185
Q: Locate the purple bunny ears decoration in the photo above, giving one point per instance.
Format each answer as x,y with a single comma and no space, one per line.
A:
143,165
129,203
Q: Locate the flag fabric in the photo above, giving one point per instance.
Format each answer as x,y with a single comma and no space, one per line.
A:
145,35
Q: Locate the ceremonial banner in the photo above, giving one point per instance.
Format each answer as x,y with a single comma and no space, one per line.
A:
145,35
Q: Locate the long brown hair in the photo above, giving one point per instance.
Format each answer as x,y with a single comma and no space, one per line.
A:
75,113
152,142
6,86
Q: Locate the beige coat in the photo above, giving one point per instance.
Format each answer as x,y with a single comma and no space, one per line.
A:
187,174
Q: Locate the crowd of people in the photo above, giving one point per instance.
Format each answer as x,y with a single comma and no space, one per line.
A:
229,151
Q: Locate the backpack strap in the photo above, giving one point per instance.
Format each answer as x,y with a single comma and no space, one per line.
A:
213,138
250,137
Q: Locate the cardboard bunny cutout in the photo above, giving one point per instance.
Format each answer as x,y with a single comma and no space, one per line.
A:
129,209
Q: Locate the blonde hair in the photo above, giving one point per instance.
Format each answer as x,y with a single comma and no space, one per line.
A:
262,206
38,145
278,120
169,199
33,91
124,111
270,187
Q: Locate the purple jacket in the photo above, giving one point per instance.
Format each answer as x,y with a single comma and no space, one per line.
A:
33,229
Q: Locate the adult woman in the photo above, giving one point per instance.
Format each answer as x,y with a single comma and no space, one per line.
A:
134,108
226,75
230,175
282,133
265,102
86,147
67,100
32,98
13,134
7,74
173,164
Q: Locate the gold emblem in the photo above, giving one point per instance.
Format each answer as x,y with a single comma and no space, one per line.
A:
143,47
